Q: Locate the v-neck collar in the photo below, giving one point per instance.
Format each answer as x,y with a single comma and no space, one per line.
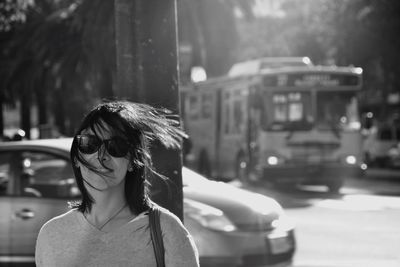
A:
87,225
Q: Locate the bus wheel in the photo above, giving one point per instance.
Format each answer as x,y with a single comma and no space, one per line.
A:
242,172
204,164
367,159
334,187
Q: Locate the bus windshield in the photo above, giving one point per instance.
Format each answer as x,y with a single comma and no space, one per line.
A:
288,111
337,111
295,111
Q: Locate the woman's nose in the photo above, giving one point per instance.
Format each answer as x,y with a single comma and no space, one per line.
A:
102,153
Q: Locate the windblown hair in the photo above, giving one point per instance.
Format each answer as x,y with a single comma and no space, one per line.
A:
139,124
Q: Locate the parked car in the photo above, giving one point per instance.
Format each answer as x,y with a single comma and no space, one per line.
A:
394,156
230,226
378,142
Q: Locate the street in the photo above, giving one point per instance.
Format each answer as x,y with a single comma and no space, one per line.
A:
357,228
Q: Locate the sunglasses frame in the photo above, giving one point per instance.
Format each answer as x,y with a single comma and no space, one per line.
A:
99,143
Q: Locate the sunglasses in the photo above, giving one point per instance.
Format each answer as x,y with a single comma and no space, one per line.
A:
89,144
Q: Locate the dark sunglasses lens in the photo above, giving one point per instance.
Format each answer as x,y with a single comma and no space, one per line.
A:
117,147
88,144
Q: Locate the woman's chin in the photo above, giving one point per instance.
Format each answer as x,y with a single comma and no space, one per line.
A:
97,187
101,186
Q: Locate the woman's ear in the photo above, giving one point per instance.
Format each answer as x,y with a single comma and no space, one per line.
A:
130,168
76,164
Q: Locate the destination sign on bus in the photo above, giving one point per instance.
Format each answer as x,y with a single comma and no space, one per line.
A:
310,79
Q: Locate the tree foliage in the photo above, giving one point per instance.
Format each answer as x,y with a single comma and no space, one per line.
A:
367,36
13,12
63,52
209,27
347,32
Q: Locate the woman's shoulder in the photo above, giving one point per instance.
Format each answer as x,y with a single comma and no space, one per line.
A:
166,214
65,220
179,245
169,221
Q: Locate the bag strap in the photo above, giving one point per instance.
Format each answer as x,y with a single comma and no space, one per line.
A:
156,235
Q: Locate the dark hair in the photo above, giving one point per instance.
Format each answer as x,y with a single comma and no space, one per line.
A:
139,124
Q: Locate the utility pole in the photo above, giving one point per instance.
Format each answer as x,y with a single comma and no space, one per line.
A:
147,72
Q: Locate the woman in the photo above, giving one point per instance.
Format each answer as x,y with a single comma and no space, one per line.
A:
110,226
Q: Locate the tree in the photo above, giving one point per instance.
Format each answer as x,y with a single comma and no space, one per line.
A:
11,13
19,59
363,33
291,28
65,50
368,31
50,53
209,27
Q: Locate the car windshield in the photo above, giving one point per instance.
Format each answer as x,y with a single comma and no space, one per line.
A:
191,178
389,133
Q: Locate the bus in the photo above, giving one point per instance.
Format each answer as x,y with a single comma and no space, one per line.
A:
292,124
256,65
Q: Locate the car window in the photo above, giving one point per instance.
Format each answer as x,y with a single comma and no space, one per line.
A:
398,134
46,175
385,134
5,174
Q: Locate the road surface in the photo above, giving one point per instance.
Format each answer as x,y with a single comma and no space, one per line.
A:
360,227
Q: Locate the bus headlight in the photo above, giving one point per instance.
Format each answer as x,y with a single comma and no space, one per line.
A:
351,160
274,160
364,166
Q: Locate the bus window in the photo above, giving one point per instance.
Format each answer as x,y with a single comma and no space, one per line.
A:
238,119
206,101
288,111
295,107
226,112
295,111
193,107
233,112
280,103
337,110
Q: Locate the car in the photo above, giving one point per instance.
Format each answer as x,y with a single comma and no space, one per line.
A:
393,156
377,143
230,226
235,227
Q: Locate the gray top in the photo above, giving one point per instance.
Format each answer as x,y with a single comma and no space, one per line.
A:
70,240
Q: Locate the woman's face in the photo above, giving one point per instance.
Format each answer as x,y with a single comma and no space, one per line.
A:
116,167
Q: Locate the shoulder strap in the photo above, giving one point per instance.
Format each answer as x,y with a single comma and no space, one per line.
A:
156,235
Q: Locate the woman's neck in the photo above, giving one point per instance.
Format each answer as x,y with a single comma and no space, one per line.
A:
106,204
